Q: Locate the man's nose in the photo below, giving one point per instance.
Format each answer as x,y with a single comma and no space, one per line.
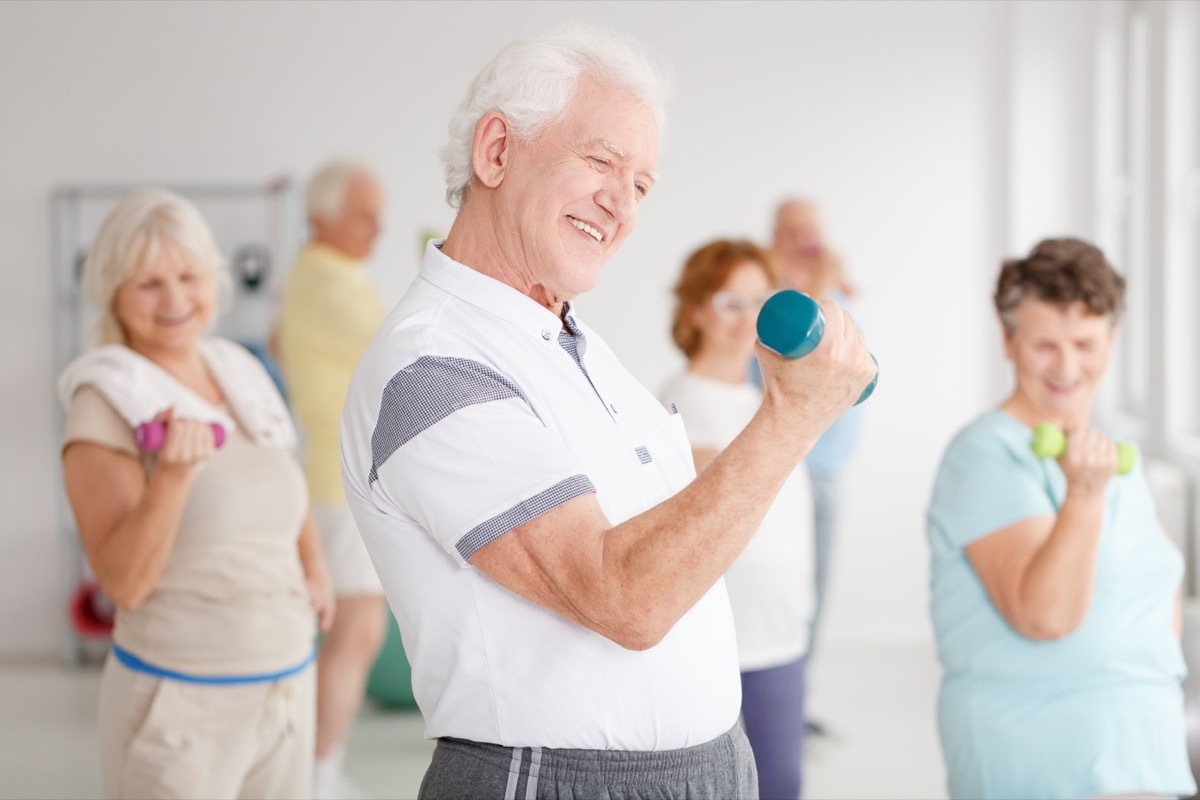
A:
619,198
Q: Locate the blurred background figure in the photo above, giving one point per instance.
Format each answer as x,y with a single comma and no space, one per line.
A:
807,264
209,552
330,311
718,297
1055,589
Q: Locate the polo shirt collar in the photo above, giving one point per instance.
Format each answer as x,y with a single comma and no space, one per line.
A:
492,296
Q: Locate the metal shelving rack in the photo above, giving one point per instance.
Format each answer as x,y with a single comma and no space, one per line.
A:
255,224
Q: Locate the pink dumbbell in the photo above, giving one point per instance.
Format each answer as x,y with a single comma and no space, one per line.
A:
151,435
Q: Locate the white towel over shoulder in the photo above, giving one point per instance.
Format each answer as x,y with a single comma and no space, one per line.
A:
138,389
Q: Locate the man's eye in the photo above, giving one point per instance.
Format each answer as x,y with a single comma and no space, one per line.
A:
641,188
600,161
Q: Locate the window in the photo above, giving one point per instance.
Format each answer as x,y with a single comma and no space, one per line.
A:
1180,224
1149,221
1148,162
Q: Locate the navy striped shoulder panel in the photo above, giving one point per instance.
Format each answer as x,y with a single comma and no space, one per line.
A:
427,391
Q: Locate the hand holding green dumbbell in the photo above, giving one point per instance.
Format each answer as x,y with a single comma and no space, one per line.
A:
1049,441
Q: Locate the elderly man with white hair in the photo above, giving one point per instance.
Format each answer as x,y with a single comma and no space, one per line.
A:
552,558
329,313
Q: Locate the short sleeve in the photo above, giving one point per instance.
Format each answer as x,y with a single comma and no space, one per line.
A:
90,418
988,480
458,448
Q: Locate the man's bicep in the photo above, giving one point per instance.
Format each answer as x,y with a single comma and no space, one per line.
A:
554,559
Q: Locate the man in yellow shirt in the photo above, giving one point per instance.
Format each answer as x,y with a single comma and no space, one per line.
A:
329,313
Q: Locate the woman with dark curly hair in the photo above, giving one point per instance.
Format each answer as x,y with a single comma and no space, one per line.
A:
1055,591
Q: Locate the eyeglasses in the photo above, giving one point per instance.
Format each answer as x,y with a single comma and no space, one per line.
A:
732,303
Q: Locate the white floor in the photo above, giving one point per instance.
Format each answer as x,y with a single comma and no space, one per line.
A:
878,703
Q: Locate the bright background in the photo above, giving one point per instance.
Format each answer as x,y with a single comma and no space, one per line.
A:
938,137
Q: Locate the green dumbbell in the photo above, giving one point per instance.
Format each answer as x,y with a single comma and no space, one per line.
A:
1049,441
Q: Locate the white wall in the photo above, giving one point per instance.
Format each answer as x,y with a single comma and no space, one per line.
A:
893,115
1052,122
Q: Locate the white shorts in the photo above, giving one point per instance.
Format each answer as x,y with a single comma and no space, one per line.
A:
345,554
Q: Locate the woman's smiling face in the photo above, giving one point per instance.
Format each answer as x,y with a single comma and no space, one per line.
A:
167,304
1059,356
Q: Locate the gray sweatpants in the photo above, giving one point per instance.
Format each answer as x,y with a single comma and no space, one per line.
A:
722,769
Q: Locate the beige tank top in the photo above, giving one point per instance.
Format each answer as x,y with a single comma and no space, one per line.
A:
232,598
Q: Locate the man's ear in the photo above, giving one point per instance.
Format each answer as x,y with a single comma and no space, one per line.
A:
492,148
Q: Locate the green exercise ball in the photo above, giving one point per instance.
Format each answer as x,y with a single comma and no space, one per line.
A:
390,681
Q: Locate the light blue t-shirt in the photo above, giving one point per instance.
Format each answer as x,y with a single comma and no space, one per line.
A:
1098,711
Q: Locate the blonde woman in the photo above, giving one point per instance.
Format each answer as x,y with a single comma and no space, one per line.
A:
208,551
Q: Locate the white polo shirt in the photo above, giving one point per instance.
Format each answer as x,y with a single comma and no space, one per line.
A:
473,411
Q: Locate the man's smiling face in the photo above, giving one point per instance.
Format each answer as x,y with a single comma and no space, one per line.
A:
570,196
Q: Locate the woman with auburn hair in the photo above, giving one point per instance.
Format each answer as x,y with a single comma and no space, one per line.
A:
718,296
205,544
1055,590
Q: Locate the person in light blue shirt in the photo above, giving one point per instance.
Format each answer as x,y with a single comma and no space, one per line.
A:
808,264
1054,588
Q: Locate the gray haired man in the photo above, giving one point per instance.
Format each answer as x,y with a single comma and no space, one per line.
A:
534,514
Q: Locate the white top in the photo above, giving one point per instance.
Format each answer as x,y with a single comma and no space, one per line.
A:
468,416
771,584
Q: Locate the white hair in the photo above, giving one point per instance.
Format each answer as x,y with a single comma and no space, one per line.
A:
531,83
327,187
131,236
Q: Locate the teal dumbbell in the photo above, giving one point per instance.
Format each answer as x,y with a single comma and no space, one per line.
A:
1049,441
792,324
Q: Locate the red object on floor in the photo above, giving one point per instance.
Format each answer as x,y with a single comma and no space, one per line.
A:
91,611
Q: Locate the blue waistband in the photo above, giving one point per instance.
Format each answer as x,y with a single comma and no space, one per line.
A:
131,661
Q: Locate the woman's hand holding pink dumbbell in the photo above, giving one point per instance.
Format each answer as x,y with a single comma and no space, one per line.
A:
179,441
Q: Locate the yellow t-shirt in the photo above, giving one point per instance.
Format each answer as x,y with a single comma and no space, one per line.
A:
329,314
